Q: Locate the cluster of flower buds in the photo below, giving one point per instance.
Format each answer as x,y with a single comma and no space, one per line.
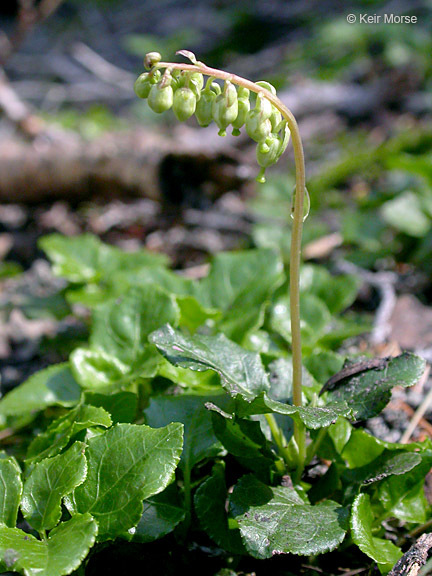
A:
227,105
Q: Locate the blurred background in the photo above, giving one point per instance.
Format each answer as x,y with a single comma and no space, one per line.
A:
80,153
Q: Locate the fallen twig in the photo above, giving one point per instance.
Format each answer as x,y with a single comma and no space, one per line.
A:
420,412
101,68
422,422
413,560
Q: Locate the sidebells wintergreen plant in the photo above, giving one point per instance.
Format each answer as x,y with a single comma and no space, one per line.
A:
176,417
270,123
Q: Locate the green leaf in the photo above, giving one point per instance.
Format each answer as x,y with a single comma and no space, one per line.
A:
359,229
388,463
406,504
53,386
126,464
189,378
119,349
69,543
280,376
241,371
96,370
10,490
322,365
59,432
190,381
406,214
161,514
122,406
337,292
241,284
121,328
172,282
9,270
369,392
278,520
85,258
383,552
245,440
315,317
210,501
404,496
60,554
200,441
340,433
313,417
48,483
22,553
362,448
193,314
76,259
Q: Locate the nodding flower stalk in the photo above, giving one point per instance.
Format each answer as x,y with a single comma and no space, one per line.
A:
269,123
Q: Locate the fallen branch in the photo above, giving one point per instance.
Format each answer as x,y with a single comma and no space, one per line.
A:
137,163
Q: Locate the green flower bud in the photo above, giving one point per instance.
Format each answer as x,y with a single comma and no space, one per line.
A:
243,109
258,124
266,155
151,58
175,80
203,110
243,93
142,85
161,95
269,151
225,108
263,106
198,78
275,119
267,86
196,83
184,104
230,93
284,138
204,105
192,80
256,128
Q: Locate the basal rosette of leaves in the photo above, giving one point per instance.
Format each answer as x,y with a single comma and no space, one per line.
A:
177,418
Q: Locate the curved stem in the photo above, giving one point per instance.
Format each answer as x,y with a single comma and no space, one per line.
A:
296,235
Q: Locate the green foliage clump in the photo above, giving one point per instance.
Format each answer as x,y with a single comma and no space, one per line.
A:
177,416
